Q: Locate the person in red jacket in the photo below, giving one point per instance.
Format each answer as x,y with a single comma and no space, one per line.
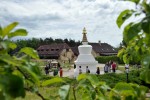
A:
114,67
61,72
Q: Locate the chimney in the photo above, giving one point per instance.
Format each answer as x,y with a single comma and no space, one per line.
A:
99,42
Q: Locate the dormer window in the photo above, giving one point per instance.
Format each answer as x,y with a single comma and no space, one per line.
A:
52,49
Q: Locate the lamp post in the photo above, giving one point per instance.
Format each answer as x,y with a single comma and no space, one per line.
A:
127,72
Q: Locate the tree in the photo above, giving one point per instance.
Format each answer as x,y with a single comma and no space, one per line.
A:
136,36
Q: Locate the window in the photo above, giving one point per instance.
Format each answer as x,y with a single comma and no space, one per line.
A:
42,49
47,49
57,49
52,49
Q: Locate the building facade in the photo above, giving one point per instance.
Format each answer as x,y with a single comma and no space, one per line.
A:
64,53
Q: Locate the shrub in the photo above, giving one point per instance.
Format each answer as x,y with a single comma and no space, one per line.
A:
112,79
104,59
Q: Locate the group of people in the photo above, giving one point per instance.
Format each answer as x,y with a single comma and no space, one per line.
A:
110,65
87,70
56,69
107,68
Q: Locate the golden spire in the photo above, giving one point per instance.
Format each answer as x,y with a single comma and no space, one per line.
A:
84,39
84,31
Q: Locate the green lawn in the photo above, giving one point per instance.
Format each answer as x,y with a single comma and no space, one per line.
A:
111,79
45,91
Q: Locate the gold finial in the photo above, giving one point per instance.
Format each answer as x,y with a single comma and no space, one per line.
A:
84,39
84,31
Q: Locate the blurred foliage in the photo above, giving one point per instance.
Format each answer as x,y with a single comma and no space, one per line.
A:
136,36
17,73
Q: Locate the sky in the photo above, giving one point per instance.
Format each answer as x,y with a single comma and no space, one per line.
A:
66,18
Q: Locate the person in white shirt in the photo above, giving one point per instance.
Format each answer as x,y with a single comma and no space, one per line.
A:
87,69
80,70
126,66
106,68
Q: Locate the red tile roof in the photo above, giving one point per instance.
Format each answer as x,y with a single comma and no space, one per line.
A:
103,48
53,49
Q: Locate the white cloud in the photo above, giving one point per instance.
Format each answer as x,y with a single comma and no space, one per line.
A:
66,18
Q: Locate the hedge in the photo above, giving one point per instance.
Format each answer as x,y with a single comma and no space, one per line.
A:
104,59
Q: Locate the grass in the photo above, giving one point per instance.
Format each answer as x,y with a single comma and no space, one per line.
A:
121,69
45,91
111,79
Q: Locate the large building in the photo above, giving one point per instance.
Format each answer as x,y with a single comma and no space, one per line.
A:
65,53
99,49
56,51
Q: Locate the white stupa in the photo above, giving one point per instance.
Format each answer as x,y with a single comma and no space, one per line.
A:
85,57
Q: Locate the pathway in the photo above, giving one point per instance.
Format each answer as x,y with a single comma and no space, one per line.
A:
70,73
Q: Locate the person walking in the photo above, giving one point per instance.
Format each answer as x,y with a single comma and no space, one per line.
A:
109,66
87,69
61,72
126,66
46,70
106,68
114,67
55,71
98,71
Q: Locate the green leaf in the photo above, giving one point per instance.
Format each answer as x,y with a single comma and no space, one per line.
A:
18,73
146,60
81,76
28,74
125,58
1,32
12,45
9,28
8,45
35,68
123,90
123,16
64,92
121,52
2,96
10,60
146,25
131,31
123,86
145,75
52,81
12,85
93,79
146,7
19,32
30,51
135,1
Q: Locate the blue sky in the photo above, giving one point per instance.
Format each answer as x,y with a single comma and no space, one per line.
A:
66,18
